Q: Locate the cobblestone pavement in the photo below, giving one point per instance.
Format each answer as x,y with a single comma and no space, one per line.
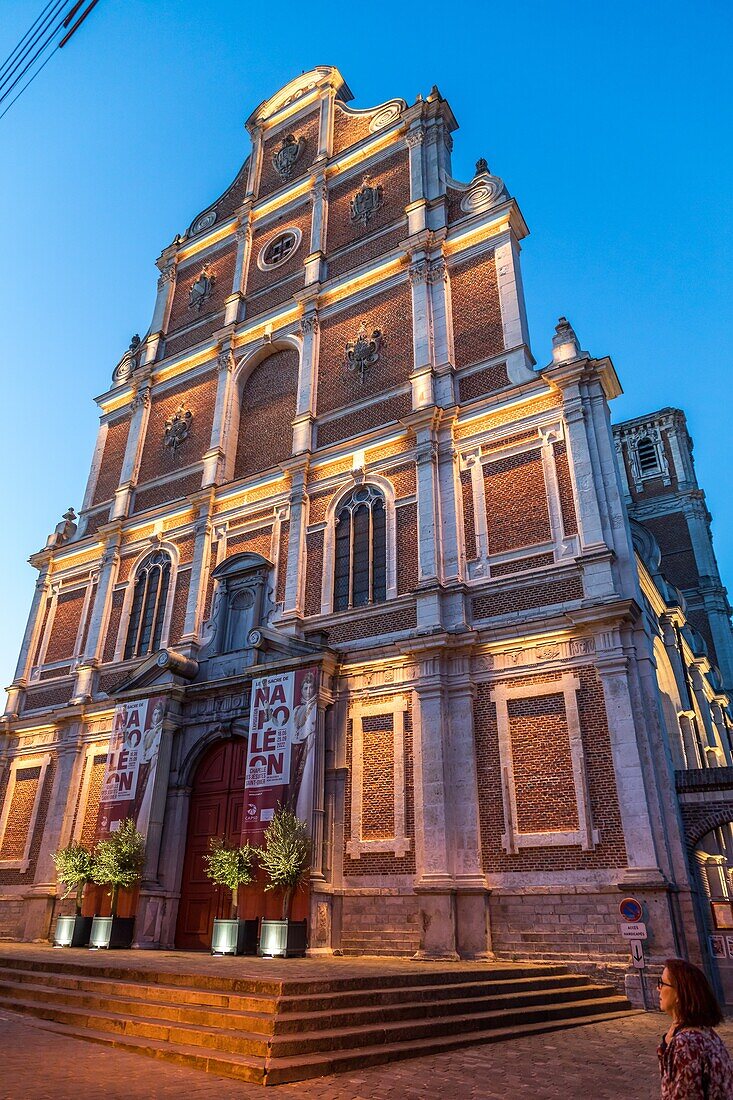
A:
599,1062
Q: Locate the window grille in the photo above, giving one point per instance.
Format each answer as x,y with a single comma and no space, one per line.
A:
648,457
360,567
148,605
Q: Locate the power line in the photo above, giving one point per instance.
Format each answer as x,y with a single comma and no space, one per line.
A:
16,67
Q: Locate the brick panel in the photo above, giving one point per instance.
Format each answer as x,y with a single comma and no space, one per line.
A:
404,480
391,174
300,218
265,300
282,568
44,617
507,416
220,264
348,129
363,420
21,808
85,632
112,458
482,382
543,767
407,563
10,878
314,572
391,313
54,673
384,863
38,698
188,338
113,627
318,505
610,852
254,542
268,409
678,557
377,812
95,520
167,491
567,504
389,450
516,502
65,626
469,516
306,128
199,397
364,252
522,565
453,203
477,328
180,599
547,594
352,629
330,469
94,792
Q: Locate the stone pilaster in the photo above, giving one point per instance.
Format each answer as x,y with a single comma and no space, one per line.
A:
140,408
421,377
164,300
295,576
199,574
217,465
109,567
305,411
31,635
152,901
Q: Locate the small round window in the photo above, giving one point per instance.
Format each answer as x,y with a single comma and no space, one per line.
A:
279,249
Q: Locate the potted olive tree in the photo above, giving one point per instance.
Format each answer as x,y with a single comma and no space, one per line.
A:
231,866
118,863
74,867
285,858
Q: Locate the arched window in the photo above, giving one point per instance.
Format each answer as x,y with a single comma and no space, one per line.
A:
148,605
648,457
360,566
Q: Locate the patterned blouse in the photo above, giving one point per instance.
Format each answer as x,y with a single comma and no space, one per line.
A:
695,1065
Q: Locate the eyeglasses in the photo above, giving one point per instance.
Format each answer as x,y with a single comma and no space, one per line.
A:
660,983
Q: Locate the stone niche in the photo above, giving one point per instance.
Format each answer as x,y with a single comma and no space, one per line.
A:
243,601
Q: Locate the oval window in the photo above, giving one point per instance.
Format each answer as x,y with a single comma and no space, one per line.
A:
279,249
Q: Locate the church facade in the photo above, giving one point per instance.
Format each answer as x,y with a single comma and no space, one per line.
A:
333,455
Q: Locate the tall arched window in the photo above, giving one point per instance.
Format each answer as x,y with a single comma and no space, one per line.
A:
360,566
148,605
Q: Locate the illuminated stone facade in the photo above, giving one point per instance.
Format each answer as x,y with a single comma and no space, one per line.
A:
497,740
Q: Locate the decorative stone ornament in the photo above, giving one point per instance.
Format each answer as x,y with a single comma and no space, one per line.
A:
204,222
286,157
201,289
129,361
63,531
363,352
177,428
366,202
484,191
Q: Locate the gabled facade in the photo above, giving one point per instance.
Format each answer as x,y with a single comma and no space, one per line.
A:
333,449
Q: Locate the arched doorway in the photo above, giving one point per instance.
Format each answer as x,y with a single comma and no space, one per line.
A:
217,799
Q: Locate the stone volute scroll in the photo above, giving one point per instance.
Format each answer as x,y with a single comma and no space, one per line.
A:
484,191
287,156
363,351
129,362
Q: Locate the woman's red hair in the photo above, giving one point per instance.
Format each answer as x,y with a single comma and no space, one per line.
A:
698,1006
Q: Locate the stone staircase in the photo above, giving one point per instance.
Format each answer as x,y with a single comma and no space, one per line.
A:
380,942
271,1031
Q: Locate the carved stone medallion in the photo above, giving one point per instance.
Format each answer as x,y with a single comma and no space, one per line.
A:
366,202
286,157
363,352
201,289
177,428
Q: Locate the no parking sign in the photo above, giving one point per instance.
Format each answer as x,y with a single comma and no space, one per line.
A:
631,910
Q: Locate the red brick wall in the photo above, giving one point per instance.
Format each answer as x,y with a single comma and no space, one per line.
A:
38,698
391,313
374,415
372,248
94,792
188,338
268,409
377,810
391,174
16,833
314,572
351,629
112,458
178,615
199,397
543,767
307,128
528,596
678,557
65,626
477,328
521,565
220,264
167,491
348,129
516,502
482,382
21,808
610,852
407,563
299,219
567,504
469,518
282,568
113,627
253,542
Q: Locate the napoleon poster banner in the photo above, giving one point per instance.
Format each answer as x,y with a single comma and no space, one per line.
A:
129,774
282,730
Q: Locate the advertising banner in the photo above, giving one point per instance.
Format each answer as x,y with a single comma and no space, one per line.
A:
129,775
282,729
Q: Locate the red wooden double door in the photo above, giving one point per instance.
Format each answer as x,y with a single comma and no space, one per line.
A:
217,803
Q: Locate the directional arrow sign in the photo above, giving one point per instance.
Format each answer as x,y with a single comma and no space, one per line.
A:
637,954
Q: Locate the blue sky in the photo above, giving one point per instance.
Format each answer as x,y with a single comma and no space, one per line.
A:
609,123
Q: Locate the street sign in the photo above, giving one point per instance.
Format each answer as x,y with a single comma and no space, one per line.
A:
631,910
635,931
637,954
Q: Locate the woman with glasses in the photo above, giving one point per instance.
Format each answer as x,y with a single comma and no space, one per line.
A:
693,1059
